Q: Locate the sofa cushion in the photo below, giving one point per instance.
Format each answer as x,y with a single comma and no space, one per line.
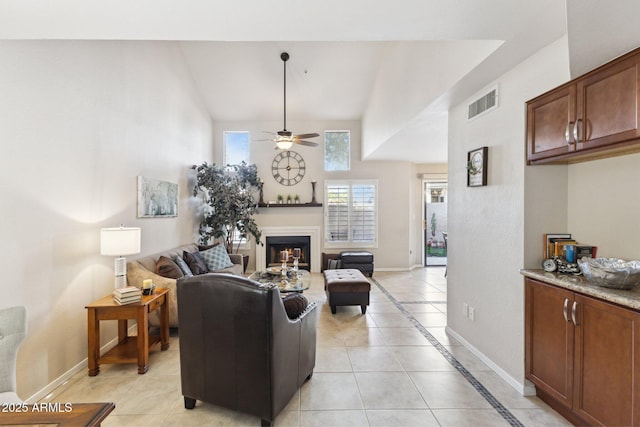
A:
183,266
216,258
294,304
167,268
195,262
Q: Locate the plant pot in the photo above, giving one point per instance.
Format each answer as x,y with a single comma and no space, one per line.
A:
245,262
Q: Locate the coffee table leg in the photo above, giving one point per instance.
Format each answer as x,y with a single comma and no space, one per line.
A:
143,340
93,332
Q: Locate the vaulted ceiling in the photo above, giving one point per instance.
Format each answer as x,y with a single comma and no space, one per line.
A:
396,66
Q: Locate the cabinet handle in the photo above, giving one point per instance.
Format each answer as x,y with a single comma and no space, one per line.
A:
573,312
567,133
575,131
565,310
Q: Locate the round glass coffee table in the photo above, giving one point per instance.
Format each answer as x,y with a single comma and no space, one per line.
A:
290,283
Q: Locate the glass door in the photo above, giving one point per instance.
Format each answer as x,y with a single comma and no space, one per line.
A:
435,223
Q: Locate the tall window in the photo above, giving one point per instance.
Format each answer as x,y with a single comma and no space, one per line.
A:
351,217
337,145
236,147
236,150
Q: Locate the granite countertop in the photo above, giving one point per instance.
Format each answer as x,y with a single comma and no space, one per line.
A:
629,298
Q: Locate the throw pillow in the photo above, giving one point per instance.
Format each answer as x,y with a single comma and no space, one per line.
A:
195,262
294,304
216,258
167,268
183,266
334,264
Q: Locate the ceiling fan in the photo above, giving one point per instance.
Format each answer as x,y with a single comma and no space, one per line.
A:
285,139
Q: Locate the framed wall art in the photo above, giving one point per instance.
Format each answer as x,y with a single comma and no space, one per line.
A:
477,167
157,199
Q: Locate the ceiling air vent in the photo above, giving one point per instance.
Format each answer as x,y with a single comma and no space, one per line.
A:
484,104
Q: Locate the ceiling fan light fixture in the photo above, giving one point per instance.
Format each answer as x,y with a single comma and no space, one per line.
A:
284,143
285,139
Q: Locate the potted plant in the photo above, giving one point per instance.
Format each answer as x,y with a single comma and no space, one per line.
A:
230,203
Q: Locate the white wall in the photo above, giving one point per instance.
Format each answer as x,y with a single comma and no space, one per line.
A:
405,83
488,225
80,120
394,190
604,207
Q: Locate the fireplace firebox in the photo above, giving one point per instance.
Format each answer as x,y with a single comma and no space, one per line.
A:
274,245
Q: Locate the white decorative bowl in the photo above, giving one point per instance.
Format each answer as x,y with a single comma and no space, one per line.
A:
611,272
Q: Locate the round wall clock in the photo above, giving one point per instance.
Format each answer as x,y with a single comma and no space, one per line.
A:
288,167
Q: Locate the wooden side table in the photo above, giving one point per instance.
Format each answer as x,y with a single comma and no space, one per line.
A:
129,349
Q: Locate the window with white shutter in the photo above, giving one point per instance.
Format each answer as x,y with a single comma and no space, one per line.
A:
351,213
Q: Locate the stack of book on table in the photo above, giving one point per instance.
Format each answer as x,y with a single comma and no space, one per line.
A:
127,295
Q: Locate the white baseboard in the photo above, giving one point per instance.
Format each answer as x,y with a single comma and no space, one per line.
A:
46,391
526,389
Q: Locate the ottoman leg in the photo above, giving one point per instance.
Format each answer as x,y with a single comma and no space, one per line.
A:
363,308
333,309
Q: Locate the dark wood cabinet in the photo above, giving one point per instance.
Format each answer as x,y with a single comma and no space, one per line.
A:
607,356
549,338
549,124
583,355
595,115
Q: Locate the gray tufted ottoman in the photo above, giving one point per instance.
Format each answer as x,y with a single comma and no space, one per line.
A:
346,287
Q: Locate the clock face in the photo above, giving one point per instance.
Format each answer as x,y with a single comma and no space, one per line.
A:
549,265
288,167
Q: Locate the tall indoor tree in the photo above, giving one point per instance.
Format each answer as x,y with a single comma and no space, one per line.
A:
229,195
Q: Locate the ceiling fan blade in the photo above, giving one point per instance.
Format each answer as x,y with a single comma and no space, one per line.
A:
308,143
306,135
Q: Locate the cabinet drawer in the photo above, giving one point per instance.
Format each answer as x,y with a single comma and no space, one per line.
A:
155,304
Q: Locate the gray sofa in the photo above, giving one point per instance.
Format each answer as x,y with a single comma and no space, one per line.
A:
145,268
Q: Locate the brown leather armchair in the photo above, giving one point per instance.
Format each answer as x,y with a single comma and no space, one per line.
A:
238,348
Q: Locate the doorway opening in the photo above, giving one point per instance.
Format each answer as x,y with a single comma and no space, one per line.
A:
435,223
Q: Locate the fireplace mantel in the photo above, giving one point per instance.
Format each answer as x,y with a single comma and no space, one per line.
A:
312,232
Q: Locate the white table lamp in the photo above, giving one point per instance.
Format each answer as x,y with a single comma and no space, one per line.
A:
120,241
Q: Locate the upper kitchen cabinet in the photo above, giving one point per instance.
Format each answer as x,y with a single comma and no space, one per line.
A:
595,115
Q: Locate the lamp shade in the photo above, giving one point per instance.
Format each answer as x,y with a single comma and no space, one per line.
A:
119,241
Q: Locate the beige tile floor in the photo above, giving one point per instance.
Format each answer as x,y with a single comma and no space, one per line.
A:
371,370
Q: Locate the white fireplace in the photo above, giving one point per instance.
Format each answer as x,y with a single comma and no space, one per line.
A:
312,232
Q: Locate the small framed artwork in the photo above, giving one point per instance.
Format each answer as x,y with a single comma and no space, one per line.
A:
477,167
157,199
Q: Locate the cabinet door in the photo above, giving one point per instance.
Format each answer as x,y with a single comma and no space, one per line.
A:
606,363
549,340
550,121
607,107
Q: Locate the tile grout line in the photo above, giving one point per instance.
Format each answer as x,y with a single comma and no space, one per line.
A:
421,302
480,388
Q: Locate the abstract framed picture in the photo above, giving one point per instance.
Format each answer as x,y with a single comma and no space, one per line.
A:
477,161
157,199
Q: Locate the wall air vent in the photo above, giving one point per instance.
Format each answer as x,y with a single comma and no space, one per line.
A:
484,104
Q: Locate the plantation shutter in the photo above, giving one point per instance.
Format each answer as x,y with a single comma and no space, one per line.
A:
351,213
337,226
363,213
